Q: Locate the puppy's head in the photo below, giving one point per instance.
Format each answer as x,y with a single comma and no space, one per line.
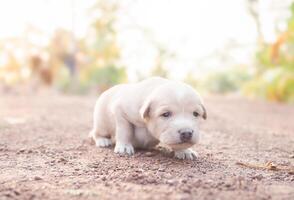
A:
172,113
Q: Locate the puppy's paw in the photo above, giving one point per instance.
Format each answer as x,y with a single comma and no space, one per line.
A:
187,154
103,142
124,149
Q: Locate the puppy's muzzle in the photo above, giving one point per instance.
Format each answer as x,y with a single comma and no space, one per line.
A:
186,134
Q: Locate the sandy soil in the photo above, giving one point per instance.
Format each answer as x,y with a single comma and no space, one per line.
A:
44,154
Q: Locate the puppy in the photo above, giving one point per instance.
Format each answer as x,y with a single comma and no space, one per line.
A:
140,115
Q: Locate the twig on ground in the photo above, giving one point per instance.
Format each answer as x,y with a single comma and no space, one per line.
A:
267,166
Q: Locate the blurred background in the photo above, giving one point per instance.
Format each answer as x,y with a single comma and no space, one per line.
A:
242,47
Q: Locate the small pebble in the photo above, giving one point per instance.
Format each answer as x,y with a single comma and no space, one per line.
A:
139,170
184,181
258,177
170,182
187,190
161,170
227,185
150,154
37,178
16,192
62,160
2,149
22,150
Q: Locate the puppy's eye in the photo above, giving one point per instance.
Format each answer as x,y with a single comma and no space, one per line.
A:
196,114
166,114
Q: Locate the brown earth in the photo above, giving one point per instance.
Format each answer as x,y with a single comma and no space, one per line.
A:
44,154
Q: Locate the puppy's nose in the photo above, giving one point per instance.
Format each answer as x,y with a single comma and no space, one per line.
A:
185,134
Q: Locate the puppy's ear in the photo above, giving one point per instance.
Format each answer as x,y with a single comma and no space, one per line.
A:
204,116
145,110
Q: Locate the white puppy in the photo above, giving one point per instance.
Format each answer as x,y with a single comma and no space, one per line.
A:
143,114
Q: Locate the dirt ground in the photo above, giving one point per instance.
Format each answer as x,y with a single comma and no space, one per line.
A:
44,154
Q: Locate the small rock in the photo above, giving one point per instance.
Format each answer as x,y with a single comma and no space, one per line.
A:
187,190
37,178
291,156
62,160
16,192
227,185
150,154
161,170
152,181
21,151
139,170
258,177
184,181
209,181
170,182
8,195
190,176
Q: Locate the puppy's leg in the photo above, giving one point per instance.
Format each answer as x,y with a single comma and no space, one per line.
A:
123,136
143,139
100,141
187,154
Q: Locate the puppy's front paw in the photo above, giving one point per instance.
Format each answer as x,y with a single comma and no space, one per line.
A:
187,154
103,142
123,149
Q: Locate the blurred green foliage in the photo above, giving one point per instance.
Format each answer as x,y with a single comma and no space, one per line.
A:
227,80
274,78
68,63
221,81
102,69
93,62
105,77
276,84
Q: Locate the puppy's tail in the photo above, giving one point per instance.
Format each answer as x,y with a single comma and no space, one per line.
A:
91,136
91,133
